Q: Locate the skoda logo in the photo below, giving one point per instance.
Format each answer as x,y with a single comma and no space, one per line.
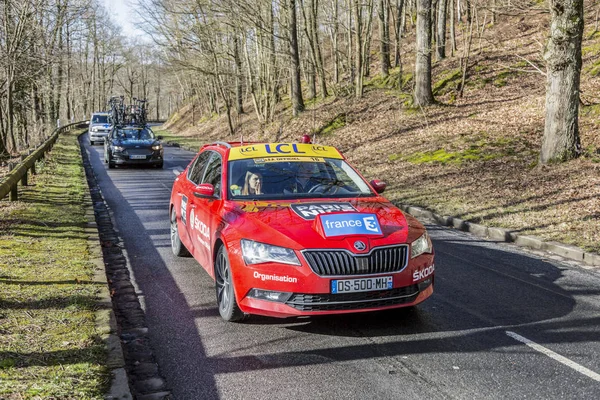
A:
360,246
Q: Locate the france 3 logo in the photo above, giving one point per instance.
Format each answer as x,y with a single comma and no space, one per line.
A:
346,224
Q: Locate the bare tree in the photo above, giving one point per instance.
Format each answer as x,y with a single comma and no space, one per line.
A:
296,86
441,30
363,17
384,36
423,92
563,64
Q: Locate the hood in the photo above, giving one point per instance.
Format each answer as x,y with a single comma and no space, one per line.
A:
134,143
326,224
100,125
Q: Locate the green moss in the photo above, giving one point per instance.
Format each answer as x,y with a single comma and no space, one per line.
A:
478,150
591,110
208,117
338,122
447,82
392,81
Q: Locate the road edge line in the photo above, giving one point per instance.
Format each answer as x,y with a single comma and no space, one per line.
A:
555,356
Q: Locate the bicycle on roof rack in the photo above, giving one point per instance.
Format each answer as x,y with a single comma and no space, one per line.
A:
132,114
116,108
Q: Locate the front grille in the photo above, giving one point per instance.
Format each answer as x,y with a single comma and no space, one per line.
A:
139,152
353,301
341,262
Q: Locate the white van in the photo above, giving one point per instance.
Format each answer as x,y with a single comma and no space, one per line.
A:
100,126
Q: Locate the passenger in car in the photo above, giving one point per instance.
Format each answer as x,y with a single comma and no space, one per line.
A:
306,178
252,183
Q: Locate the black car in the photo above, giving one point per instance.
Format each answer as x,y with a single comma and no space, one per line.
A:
133,145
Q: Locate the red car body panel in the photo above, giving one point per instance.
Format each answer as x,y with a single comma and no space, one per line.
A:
208,222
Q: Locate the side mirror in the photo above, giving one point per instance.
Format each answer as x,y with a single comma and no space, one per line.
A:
204,190
378,185
159,137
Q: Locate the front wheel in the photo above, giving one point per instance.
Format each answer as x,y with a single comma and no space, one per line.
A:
228,307
177,246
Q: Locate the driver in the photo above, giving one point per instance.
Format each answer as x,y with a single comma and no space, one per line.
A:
307,177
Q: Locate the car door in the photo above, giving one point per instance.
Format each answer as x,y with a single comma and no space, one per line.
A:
206,212
186,206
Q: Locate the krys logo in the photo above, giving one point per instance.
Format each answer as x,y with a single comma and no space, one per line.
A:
350,224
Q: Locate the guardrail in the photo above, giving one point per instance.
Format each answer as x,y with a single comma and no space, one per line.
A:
19,173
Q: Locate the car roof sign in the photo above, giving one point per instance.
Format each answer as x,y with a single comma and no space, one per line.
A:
259,150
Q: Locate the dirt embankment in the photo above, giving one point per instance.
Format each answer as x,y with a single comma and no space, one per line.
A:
474,156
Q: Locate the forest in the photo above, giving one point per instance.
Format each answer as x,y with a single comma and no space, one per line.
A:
62,59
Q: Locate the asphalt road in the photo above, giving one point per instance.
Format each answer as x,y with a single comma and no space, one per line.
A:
502,323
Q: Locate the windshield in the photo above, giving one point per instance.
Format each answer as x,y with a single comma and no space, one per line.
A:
282,178
133,134
100,119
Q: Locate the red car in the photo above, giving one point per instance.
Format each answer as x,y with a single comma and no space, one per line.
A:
291,229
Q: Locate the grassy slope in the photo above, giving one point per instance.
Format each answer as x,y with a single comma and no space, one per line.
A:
48,344
473,157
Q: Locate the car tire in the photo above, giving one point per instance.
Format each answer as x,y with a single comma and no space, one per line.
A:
228,307
160,165
111,164
177,246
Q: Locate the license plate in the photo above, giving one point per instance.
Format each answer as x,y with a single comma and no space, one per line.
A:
137,157
361,284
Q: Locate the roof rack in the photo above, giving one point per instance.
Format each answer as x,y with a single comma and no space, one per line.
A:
223,144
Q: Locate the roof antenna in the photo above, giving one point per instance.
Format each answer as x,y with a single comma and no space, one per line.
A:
241,139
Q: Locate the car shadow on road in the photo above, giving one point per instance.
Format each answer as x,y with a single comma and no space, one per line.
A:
167,313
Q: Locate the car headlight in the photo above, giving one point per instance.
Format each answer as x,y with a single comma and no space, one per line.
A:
94,129
421,245
157,147
118,148
256,253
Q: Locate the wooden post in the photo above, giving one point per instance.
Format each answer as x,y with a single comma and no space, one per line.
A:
14,193
24,178
33,165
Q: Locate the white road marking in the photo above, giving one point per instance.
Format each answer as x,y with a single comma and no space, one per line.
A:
579,368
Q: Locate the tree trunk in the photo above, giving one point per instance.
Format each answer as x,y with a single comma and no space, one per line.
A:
296,87
384,36
334,40
358,84
400,17
238,74
423,92
441,30
563,64
452,31
317,47
350,51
